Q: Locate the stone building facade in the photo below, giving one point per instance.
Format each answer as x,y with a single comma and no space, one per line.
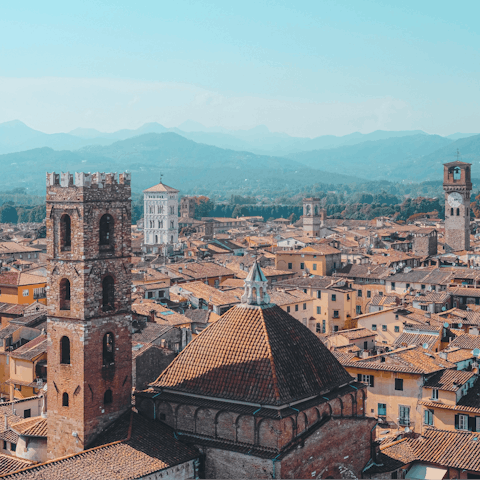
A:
89,319
187,207
261,397
313,217
457,185
160,215
425,242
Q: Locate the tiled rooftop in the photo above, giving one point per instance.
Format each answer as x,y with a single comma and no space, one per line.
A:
255,354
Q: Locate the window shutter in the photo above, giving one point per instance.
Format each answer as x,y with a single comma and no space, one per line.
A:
457,421
471,424
372,380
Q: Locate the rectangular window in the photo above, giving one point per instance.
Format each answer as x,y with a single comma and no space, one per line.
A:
302,266
318,328
25,293
382,409
314,266
399,384
334,297
13,447
359,293
149,294
324,326
319,294
369,294
396,329
319,310
428,418
4,444
296,308
288,309
404,415
462,422
384,328
365,345
422,287
359,309
366,379
289,266
348,296
393,285
335,328
335,314
407,286
374,327
435,394
304,306
27,413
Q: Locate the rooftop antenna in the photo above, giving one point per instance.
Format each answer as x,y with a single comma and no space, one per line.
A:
458,155
161,177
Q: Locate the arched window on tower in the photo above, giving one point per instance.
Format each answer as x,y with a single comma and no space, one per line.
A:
65,399
106,230
65,351
108,349
457,174
108,293
64,294
65,233
451,212
108,397
458,212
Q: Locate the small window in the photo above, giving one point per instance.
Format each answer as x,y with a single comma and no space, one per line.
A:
369,294
65,351
318,327
108,349
13,447
314,266
65,233
435,394
296,308
451,212
407,286
65,400
319,294
382,409
288,309
302,266
458,212
4,444
384,328
334,297
393,285
108,397
365,345
27,413
462,422
428,418
319,310
64,294
335,314
335,328
374,327
399,384
108,294
106,230
422,287
358,310
25,293
304,306
396,329
359,293
290,266
324,326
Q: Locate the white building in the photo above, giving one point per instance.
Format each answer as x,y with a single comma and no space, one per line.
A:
160,215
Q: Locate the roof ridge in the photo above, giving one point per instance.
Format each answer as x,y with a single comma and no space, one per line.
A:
270,357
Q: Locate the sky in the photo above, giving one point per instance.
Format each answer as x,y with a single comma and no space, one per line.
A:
306,68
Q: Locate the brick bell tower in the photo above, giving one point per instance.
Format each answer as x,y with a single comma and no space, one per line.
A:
89,319
457,185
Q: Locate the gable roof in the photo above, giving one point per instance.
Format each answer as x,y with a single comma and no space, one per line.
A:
258,355
161,187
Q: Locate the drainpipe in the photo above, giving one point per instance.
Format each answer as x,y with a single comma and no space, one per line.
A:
155,405
273,463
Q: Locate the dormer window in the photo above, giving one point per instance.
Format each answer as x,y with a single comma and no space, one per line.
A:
435,394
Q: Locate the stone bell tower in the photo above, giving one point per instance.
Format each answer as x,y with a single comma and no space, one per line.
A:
457,185
313,217
89,319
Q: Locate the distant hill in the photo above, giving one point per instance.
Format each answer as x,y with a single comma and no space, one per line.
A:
458,136
187,165
395,159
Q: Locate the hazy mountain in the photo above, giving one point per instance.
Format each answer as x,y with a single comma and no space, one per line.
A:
185,164
458,136
394,159
15,136
91,133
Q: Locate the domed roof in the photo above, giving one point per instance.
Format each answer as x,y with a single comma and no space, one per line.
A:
258,354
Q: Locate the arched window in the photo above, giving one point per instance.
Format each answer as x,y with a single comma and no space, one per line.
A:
65,400
65,232
458,212
108,397
451,212
106,230
64,294
108,349
65,351
160,224
108,294
156,239
457,174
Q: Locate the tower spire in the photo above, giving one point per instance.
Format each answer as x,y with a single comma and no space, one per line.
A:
256,287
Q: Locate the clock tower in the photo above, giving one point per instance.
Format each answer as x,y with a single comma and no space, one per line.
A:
457,185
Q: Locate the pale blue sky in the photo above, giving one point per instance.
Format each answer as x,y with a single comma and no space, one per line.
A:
305,67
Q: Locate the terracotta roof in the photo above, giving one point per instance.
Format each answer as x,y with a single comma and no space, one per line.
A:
354,333
466,341
133,447
161,187
255,354
10,464
406,339
13,247
31,427
449,380
456,354
32,349
20,279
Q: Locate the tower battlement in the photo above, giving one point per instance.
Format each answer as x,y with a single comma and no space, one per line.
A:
87,180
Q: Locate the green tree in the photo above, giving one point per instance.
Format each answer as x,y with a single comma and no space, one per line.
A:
203,207
8,214
240,211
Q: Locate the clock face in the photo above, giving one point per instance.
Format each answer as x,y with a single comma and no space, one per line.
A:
455,199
